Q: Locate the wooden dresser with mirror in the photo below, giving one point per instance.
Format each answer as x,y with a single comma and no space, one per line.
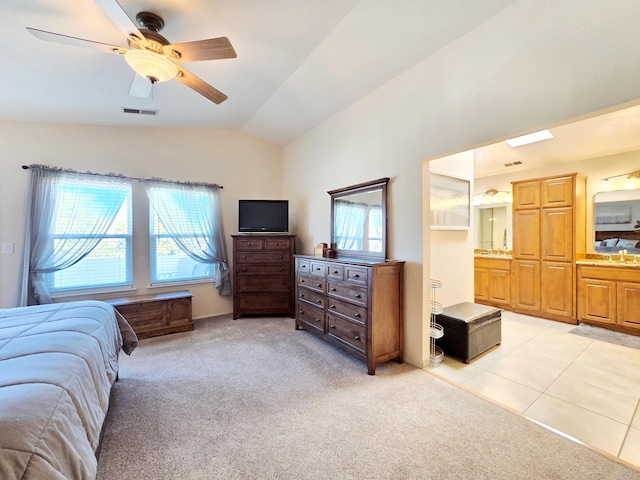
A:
354,301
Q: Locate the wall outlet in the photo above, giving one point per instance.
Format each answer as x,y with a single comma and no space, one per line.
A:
7,248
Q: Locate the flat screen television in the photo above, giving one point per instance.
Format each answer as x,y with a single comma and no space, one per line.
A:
263,216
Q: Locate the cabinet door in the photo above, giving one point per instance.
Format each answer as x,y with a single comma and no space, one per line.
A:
179,311
500,287
480,284
557,192
527,286
557,234
597,300
628,313
557,289
526,195
526,234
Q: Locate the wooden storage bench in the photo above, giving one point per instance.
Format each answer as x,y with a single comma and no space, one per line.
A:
155,315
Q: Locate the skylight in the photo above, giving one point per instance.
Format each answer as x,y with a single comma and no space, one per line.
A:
530,138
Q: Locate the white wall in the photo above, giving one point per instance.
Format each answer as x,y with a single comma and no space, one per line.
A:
246,167
536,63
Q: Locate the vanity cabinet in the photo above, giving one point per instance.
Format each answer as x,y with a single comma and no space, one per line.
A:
492,281
356,305
548,236
610,296
262,274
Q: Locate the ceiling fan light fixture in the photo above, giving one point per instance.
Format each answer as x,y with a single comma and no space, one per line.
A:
151,65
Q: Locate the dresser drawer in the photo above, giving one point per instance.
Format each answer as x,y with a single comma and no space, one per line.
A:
358,276
277,244
263,269
309,281
262,257
265,283
250,244
335,272
349,332
316,298
261,302
318,268
353,312
311,315
303,266
351,293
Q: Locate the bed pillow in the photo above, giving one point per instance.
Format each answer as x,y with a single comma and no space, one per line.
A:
610,242
598,243
622,243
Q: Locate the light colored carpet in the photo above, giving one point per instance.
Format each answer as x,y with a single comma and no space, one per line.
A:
255,399
605,335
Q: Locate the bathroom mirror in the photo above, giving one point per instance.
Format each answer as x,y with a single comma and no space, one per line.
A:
359,219
616,223
493,227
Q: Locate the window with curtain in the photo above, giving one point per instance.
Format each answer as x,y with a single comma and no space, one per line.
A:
186,234
352,220
78,233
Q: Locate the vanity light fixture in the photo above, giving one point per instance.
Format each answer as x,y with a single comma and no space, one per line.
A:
624,181
492,196
530,138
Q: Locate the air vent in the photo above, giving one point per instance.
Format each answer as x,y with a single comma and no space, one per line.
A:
137,111
517,162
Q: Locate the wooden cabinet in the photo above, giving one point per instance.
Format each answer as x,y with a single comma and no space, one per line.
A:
492,281
154,315
609,296
356,305
548,236
262,274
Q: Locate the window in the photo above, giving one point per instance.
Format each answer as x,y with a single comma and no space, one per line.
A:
182,231
168,262
84,206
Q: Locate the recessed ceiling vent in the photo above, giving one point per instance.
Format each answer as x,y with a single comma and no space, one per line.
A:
517,162
138,111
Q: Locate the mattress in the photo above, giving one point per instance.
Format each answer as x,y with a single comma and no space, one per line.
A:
58,363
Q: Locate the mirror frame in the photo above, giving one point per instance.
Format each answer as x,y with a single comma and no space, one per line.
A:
374,185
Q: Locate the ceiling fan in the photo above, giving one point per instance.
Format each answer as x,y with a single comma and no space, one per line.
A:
151,55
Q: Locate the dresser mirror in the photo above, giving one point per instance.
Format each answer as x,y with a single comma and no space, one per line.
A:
359,219
617,221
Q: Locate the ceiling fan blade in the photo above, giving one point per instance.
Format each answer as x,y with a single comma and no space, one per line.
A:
200,86
140,87
119,17
211,49
76,42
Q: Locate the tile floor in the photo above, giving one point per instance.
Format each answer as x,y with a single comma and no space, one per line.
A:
586,389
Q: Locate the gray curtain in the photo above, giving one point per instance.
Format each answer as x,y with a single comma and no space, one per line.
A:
192,216
58,210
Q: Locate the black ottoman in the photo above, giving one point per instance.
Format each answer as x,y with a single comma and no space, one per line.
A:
469,330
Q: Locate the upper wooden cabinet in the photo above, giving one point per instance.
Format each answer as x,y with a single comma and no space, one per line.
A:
526,194
557,234
558,192
526,234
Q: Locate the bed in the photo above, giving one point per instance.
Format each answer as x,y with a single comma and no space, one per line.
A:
58,363
612,241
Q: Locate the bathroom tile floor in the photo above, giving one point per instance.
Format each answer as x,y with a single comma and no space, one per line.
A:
586,389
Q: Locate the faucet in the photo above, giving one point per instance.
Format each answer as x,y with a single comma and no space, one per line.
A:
622,254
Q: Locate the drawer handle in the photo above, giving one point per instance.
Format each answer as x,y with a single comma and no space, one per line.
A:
301,295
356,275
301,281
318,302
301,312
318,320
333,307
357,295
335,272
357,315
318,285
333,289
318,269
332,326
243,269
357,338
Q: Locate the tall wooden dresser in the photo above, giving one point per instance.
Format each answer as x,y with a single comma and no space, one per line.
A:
263,274
356,305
